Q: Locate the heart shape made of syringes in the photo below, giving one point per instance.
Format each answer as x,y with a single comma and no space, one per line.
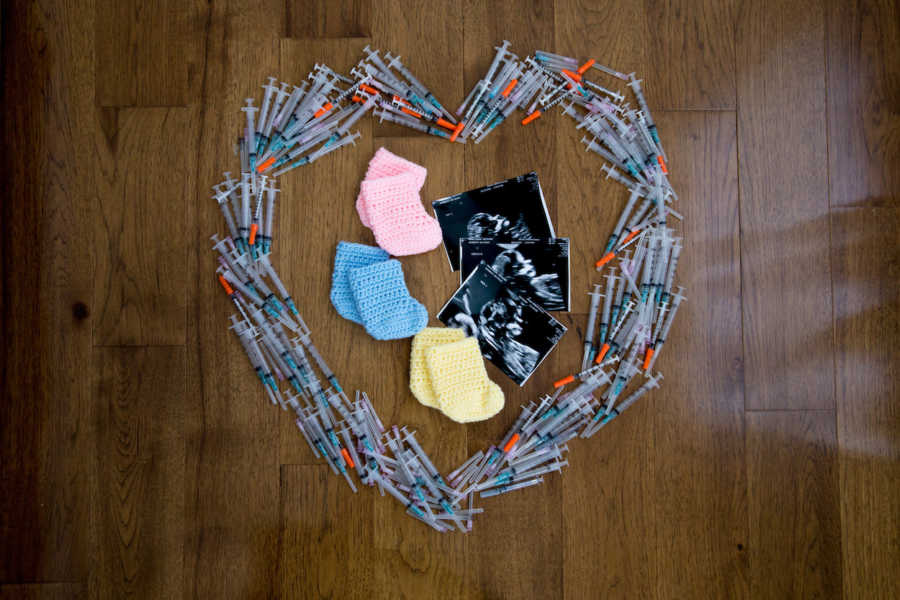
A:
301,126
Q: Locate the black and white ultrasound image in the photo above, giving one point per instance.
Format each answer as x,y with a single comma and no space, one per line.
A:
536,269
513,332
513,209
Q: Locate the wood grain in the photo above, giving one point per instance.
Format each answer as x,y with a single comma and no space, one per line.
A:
606,506
141,298
792,483
138,502
142,52
608,516
786,276
867,324
259,21
863,76
324,19
696,428
864,129
47,287
232,479
325,545
691,54
44,591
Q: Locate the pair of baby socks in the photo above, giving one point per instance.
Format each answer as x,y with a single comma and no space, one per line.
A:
389,205
367,287
447,372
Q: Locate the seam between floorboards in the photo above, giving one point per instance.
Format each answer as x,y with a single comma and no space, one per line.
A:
712,110
184,345
786,410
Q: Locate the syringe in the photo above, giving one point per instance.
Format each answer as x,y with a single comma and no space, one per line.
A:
510,488
605,316
677,299
597,423
589,332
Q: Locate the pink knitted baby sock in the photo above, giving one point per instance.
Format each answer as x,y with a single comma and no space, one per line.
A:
397,217
386,164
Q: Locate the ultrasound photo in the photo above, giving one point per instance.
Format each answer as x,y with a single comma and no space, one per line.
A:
514,333
509,210
536,269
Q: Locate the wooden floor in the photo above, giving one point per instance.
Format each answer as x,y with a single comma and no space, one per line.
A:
139,457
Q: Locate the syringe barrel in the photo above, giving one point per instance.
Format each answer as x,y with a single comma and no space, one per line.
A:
673,263
638,215
270,211
288,107
632,199
229,220
465,102
273,275
559,57
245,200
608,297
356,115
670,319
592,315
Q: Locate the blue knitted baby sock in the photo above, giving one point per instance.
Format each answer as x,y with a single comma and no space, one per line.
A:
387,310
351,256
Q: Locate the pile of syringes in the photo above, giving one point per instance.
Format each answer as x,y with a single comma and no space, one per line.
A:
297,126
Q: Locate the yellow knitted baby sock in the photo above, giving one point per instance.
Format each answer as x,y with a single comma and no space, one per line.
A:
419,379
460,383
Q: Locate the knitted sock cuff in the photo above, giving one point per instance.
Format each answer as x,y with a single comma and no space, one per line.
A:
350,256
387,164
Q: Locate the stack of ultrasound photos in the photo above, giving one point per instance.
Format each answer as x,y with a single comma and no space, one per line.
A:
513,269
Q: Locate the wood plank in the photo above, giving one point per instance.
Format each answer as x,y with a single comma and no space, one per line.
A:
47,292
402,28
532,566
691,54
608,515
145,176
325,546
612,33
259,21
414,561
784,203
324,19
516,548
866,259
863,126
606,503
232,482
145,53
317,209
43,591
863,78
139,515
696,426
792,483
